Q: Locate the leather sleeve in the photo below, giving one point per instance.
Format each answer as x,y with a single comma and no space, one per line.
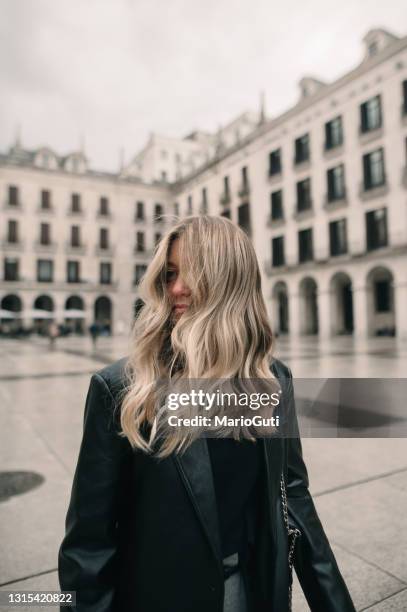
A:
87,555
314,561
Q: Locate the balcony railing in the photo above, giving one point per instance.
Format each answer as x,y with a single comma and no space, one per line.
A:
271,222
331,202
244,190
104,251
79,249
143,253
49,247
225,198
18,245
366,192
8,205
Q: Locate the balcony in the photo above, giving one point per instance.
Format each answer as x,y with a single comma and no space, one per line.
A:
329,152
303,211
333,203
140,219
50,247
143,253
374,191
369,135
7,205
302,163
75,213
45,210
104,216
274,175
274,223
106,251
71,249
225,198
244,190
16,246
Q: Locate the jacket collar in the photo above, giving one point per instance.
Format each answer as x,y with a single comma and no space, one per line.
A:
195,469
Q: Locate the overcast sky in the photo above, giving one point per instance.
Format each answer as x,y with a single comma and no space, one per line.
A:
116,70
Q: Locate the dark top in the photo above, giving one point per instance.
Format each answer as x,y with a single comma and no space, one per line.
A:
235,466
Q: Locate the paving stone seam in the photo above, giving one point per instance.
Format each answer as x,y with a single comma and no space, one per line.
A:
359,482
44,573
368,562
379,601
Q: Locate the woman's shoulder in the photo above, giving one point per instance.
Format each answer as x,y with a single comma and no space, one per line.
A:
114,376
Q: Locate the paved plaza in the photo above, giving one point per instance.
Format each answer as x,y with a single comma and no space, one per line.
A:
359,485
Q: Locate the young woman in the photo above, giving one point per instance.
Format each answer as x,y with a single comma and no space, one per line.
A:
166,521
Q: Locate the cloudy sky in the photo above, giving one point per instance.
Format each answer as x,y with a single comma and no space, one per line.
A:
112,71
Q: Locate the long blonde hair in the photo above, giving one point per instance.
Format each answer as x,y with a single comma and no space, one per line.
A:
225,332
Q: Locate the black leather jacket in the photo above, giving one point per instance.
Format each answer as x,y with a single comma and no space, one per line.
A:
142,534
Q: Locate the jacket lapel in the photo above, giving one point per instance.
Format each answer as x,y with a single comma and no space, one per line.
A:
194,466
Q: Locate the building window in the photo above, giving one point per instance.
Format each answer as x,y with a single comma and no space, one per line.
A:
45,234
226,213
139,211
103,238
333,133
105,273
304,201
157,238
337,237
204,206
277,251
139,271
11,272
276,200
176,209
226,186
302,149
373,169
336,183
305,246
404,107
75,236
275,165
243,217
104,206
75,203
140,243
45,199
376,229
382,294
73,274
245,179
45,270
189,205
164,176
12,231
13,196
158,213
370,115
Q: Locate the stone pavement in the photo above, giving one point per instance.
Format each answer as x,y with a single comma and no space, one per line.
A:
359,485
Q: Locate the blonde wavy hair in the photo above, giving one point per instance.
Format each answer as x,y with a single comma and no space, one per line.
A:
224,333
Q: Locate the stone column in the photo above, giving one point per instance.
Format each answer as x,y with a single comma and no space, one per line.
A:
360,311
294,312
324,314
400,304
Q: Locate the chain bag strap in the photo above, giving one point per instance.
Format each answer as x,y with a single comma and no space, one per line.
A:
293,533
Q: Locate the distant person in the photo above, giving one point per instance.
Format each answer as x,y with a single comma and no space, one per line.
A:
53,333
94,332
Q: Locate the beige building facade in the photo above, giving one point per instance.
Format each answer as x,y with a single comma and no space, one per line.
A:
321,190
